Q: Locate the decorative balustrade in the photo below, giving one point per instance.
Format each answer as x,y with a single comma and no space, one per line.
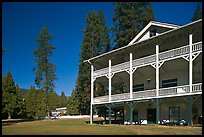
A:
144,94
197,46
174,90
120,67
197,87
144,61
100,99
166,55
124,96
101,72
178,90
174,53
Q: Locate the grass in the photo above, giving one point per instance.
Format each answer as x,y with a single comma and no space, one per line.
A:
80,127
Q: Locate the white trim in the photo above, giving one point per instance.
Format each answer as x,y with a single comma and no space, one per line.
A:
148,98
157,70
160,24
190,62
131,75
109,79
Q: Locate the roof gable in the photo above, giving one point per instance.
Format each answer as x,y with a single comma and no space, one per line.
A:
144,33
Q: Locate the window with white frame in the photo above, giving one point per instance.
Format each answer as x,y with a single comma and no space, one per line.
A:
174,114
152,33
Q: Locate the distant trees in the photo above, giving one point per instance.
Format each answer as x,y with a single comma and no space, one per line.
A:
95,42
20,103
197,14
45,70
73,103
35,102
12,101
63,100
8,95
128,20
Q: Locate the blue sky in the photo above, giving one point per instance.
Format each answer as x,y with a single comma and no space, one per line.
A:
22,22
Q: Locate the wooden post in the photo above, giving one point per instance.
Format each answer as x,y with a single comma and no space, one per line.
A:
92,87
109,78
190,62
131,75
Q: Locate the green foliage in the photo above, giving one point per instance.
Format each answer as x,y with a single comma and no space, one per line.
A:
45,70
128,20
197,14
73,103
20,104
30,102
53,100
95,42
9,98
35,102
63,100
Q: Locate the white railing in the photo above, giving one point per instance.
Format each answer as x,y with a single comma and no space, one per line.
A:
197,87
144,61
101,72
174,53
120,67
100,99
144,94
197,46
166,55
178,90
174,90
124,96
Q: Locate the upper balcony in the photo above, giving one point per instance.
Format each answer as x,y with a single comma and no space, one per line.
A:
150,60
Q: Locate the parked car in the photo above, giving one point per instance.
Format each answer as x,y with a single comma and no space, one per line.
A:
54,117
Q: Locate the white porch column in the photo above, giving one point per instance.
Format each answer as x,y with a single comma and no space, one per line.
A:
190,62
131,79
157,70
92,87
109,78
190,100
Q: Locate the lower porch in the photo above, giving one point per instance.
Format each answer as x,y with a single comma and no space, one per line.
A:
182,110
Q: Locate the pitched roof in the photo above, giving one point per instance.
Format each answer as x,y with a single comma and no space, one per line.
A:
177,27
153,23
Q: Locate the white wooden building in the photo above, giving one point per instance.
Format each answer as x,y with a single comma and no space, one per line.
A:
159,74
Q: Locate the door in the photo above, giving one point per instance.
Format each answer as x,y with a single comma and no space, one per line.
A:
135,116
151,116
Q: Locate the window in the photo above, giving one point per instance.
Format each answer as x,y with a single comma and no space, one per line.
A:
169,83
138,87
174,114
152,33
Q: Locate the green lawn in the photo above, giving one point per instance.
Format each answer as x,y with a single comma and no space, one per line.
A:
80,127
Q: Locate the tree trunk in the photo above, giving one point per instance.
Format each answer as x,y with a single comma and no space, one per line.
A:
9,115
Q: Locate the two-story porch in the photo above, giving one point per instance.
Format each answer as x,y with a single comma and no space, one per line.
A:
154,79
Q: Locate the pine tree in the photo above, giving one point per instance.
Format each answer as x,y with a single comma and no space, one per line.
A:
95,42
63,100
45,70
8,95
73,103
128,20
197,14
20,104
30,102
53,101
